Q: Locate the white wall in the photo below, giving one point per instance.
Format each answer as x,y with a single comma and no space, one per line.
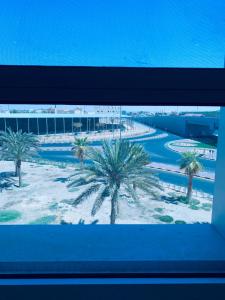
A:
218,214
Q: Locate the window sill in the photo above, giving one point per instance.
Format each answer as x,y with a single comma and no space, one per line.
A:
124,250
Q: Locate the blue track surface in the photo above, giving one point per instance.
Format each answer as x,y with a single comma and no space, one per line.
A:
158,153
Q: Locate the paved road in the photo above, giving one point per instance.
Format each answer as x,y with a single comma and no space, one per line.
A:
158,154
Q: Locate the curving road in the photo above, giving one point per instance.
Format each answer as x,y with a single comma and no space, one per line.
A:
158,153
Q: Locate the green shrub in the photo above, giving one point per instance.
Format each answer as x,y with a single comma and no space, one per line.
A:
156,217
24,184
194,207
159,209
53,206
166,219
180,222
62,166
9,215
182,199
194,202
44,220
206,206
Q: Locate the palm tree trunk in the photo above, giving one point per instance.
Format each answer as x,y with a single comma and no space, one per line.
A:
113,212
81,158
190,184
114,205
117,208
16,169
19,172
81,163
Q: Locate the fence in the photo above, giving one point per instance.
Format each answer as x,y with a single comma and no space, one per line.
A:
183,190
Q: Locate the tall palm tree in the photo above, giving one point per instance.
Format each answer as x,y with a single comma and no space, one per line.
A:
119,167
80,148
191,165
18,146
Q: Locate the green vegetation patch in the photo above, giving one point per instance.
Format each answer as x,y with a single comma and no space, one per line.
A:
180,222
166,219
53,206
194,202
9,215
182,199
206,206
24,184
159,209
194,207
44,220
62,166
156,217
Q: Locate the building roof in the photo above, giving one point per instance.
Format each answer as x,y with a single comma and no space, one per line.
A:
58,115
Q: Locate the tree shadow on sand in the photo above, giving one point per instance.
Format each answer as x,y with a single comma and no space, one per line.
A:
61,179
174,199
7,180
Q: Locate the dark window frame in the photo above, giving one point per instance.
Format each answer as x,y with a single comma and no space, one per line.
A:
113,86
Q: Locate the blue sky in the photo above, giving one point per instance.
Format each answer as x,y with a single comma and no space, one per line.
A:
145,33
148,33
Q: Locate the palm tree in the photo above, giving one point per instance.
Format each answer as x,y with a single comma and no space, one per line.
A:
80,148
191,165
119,167
18,146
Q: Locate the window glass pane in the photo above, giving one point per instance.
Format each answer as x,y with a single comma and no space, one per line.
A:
69,164
172,33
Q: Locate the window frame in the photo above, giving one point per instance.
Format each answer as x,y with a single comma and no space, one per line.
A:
112,86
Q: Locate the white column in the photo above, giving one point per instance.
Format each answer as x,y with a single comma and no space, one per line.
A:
64,127
55,124
46,125
28,125
218,213
37,126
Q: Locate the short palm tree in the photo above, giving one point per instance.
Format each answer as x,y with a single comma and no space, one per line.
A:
79,148
18,146
191,165
119,167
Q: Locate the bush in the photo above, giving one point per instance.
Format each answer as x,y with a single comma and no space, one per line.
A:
166,219
53,206
180,222
194,202
206,206
182,199
44,220
9,215
159,209
194,207
156,217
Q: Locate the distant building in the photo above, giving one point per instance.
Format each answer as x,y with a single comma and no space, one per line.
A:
78,110
189,125
193,115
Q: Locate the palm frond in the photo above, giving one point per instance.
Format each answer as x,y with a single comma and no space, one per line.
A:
103,194
86,194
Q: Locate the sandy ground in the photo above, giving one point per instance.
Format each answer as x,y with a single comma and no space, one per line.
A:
45,193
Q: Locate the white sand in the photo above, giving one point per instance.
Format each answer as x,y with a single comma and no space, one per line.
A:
45,187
